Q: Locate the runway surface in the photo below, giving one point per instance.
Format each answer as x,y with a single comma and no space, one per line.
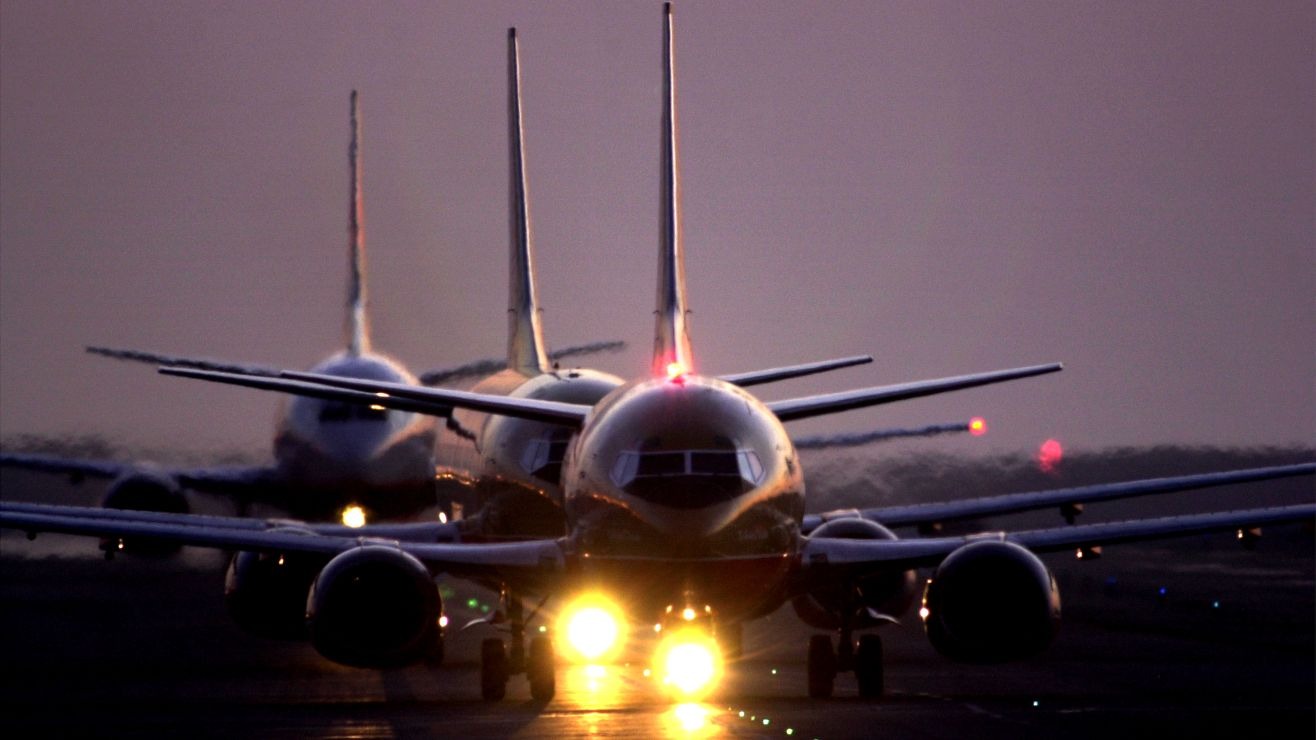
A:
143,648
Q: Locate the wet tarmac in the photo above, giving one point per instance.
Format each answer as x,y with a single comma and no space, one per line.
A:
133,647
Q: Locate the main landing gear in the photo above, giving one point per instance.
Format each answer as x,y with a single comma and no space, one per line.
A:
498,664
825,663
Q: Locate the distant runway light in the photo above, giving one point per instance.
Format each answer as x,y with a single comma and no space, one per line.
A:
1049,455
354,516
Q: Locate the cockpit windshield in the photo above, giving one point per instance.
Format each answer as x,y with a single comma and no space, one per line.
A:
687,478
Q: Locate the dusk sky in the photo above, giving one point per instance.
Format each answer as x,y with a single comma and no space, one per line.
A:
951,187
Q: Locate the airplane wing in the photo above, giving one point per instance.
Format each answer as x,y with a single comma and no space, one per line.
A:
75,468
313,390
772,375
936,513
215,480
510,560
856,439
430,377
199,363
400,396
831,403
862,555
411,531
487,367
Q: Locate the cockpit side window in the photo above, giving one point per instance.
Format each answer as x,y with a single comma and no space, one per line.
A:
543,455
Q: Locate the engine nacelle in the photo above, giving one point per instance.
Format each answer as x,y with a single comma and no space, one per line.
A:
375,607
991,602
266,592
889,593
144,491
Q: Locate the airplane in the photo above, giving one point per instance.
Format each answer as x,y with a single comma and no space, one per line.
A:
506,469
332,461
685,511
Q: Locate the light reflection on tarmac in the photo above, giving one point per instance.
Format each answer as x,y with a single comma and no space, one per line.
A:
138,648
144,648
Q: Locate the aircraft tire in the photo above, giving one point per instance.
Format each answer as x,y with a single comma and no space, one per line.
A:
868,669
541,668
493,669
822,667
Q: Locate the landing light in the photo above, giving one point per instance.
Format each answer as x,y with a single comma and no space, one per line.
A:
354,516
689,663
593,628
977,426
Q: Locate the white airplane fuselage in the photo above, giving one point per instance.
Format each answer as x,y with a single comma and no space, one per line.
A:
332,455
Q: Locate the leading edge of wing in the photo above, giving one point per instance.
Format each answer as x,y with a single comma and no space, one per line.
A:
457,558
933,513
398,396
913,553
65,465
552,412
431,531
771,375
831,403
197,363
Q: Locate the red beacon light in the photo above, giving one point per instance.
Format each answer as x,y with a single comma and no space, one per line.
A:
977,426
676,372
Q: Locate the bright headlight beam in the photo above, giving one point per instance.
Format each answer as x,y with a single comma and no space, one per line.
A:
689,664
354,516
593,628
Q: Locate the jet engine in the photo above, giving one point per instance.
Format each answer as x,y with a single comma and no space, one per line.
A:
869,599
375,607
144,491
266,592
991,602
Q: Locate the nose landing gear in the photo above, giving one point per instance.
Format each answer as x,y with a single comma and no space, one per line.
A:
866,662
497,665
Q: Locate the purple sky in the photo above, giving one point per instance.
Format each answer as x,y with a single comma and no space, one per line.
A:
953,187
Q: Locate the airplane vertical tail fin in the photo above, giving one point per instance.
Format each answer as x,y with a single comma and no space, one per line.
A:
671,345
525,335
358,328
